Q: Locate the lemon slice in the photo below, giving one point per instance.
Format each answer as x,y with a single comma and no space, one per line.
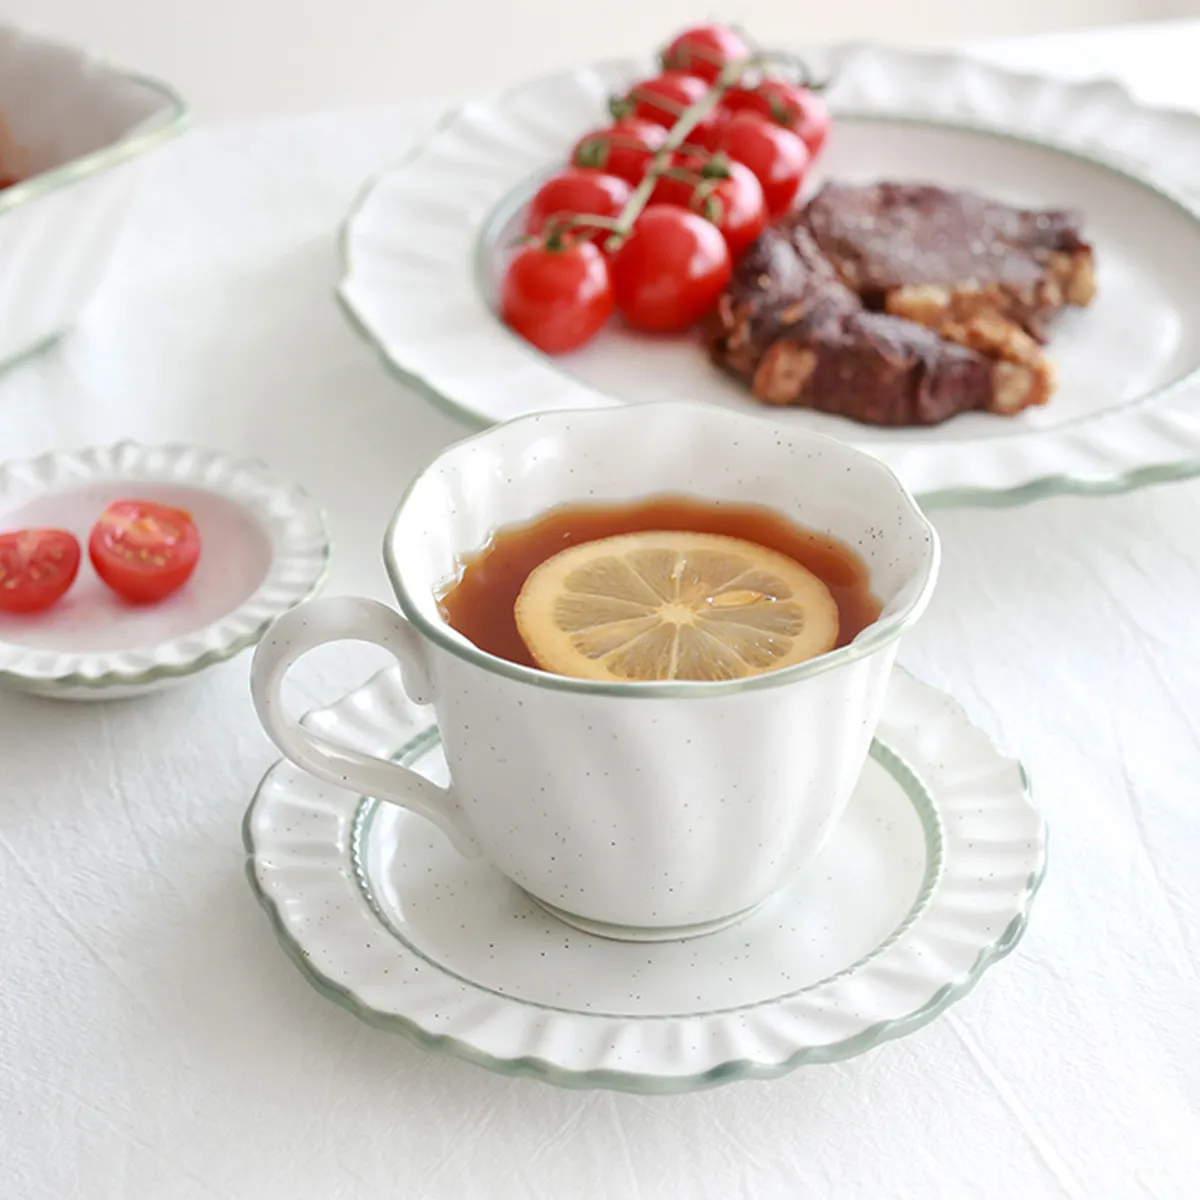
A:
660,605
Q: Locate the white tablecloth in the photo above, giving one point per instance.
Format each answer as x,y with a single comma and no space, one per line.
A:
154,1042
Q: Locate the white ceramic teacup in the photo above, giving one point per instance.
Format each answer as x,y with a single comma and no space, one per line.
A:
651,810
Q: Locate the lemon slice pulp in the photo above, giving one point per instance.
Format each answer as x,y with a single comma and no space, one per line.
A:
671,605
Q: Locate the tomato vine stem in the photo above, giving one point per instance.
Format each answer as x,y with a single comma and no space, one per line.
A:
732,73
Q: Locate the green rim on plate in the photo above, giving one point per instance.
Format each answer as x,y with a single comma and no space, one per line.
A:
1102,478
348,863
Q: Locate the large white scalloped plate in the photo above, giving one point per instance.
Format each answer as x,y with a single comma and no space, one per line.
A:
265,549
423,243
925,883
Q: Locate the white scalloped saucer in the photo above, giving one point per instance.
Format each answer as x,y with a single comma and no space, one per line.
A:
264,549
925,883
425,243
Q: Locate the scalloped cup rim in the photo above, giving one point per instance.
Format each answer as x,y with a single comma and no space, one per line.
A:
298,562
887,629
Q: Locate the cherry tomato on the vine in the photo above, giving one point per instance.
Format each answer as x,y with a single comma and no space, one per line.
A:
791,105
670,270
719,190
557,296
704,50
662,99
577,191
738,99
734,204
681,174
625,149
799,109
37,566
144,550
707,134
778,158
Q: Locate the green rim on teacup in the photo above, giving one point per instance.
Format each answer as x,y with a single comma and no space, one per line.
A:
875,637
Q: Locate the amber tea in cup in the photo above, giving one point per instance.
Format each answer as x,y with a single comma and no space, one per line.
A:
481,602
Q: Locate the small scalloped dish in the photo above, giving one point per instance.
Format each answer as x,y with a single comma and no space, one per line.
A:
426,242
264,549
923,884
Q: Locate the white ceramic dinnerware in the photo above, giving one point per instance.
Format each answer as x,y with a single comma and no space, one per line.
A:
644,811
72,130
264,548
424,245
925,882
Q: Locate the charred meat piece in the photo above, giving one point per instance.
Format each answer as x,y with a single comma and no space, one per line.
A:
782,280
884,370
945,258
791,329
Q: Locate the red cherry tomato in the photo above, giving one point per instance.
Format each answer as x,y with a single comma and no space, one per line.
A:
670,271
143,550
590,193
683,172
778,158
625,149
721,191
705,50
663,98
738,99
797,108
37,566
734,204
557,296
707,134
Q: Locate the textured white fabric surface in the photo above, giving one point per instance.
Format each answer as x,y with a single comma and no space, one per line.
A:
154,1042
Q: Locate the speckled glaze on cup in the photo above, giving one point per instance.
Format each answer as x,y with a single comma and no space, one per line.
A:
642,811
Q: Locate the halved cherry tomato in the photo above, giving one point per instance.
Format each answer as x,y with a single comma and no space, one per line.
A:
721,191
704,50
557,295
143,550
575,190
670,270
791,105
661,99
625,149
37,566
778,158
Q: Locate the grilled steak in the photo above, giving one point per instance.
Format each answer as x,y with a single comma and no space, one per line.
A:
945,258
789,327
902,304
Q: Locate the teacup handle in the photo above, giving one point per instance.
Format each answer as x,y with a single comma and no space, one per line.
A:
350,618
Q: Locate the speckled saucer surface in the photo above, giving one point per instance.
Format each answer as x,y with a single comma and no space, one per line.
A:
926,882
264,549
